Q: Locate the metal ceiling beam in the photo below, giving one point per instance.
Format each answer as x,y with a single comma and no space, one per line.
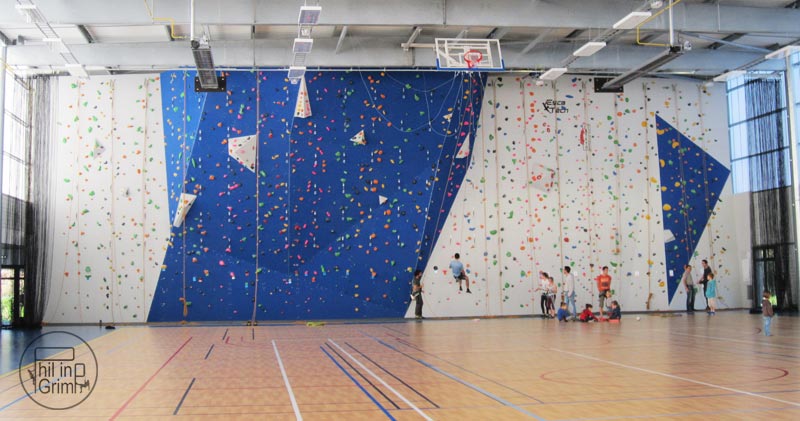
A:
595,14
342,36
729,38
498,33
373,53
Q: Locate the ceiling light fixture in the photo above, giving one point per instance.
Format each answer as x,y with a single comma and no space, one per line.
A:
589,49
553,74
633,20
309,15
302,45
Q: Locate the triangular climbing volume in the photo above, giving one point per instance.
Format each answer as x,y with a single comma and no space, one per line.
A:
691,182
302,108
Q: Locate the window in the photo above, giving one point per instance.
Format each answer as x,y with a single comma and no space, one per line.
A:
759,132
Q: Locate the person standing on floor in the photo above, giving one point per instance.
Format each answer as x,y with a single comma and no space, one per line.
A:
459,273
767,311
688,283
416,293
552,292
544,284
603,286
711,294
704,281
569,290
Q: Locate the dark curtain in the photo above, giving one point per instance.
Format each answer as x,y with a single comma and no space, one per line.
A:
772,224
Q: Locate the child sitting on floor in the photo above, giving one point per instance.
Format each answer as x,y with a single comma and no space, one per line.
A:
562,312
616,313
587,315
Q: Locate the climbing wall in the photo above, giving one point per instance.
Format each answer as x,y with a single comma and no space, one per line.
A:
330,213
110,203
562,176
175,205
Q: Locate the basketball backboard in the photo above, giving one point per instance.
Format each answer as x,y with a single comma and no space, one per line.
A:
474,55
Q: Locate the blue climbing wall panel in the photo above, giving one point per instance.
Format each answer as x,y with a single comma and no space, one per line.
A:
324,227
691,183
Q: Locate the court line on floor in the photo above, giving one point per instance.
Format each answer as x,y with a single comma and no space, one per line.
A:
717,338
589,357
364,377
358,384
386,385
125,405
286,381
463,382
178,408
392,374
416,348
210,349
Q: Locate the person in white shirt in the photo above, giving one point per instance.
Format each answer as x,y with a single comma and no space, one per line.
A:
688,283
569,290
544,285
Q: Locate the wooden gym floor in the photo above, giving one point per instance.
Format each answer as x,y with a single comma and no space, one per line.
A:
687,367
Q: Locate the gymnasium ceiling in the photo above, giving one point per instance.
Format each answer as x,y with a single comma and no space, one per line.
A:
116,36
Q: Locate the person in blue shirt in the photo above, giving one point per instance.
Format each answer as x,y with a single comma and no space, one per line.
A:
459,273
562,313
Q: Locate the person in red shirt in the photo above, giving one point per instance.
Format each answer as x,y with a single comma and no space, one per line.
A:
587,315
603,286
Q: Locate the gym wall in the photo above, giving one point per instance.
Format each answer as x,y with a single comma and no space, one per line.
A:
325,226
563,176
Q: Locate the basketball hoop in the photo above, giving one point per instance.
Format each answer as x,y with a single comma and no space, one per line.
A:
472,58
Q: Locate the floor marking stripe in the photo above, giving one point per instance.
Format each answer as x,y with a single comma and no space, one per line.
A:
286,380
358,384
411,345
588,357
178,408
125,405
209,351
392,374
463,382
386,385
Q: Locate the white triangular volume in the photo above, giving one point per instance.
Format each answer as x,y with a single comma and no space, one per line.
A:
243,150
98,149
184,204
382,199
542,177
302,108
668,236
464,151
359,138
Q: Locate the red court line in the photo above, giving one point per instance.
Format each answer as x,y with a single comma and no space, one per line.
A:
125,405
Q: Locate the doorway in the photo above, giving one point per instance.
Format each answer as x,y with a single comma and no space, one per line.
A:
772,273
12,299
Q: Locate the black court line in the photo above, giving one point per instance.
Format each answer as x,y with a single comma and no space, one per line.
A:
416,348
372,398
178,408
396,330
254,332
225,334
393,376
362,376
209,352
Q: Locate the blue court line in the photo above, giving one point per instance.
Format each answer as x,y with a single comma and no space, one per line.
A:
209,352
391,374
358,384
178,408
465,383
396,406
411,345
